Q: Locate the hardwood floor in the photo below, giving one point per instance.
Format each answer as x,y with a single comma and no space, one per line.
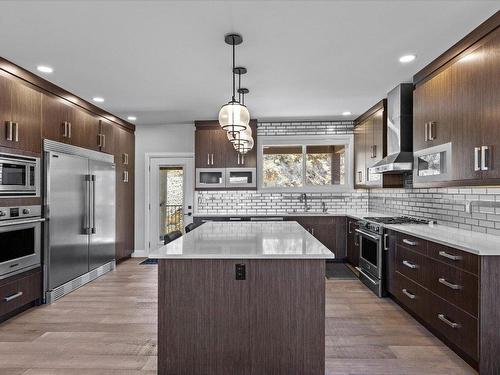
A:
109,327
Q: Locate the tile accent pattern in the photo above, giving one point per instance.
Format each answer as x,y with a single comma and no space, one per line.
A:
305,128
248,202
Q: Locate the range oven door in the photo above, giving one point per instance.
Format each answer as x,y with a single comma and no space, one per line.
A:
19,246
370,253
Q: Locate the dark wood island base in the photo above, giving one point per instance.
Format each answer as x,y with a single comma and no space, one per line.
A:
271,321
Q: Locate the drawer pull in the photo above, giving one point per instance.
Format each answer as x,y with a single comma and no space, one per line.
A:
409,265
408,242
408,294
449,256
447,321
443,281
13,297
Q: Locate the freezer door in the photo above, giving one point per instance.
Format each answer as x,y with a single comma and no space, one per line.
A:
102,218
67,194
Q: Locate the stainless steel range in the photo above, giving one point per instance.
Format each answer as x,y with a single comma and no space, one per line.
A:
372,240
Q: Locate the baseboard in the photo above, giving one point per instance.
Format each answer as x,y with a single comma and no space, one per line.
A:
139,254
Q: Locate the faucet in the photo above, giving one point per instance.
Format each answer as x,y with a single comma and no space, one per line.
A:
303,199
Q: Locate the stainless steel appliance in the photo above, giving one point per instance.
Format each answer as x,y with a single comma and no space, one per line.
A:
20,237
214,178
80,211
399,157
372,240
240,177
19,175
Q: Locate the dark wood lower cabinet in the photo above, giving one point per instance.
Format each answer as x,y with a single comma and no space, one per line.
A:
273,322
352,242
452,292
20,292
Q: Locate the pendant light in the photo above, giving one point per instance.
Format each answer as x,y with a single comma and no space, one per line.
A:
243,136
243,142
234,117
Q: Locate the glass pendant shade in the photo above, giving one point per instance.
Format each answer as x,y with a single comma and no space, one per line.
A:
241,137
245,147
234,117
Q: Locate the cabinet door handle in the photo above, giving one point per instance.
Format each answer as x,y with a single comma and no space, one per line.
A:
212,161
99,140
242,159
208,159
238,158
432,130
69,129
409,265
125,176
16,133
444,319
443,281
484,162
408,242
125,158
449,256
8,129
360,176
426,132
312,231
349,226
477,158
356,239
65,129
104,141
386,246
13,297
408,294
374,153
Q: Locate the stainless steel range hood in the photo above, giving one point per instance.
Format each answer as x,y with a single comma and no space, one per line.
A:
399,157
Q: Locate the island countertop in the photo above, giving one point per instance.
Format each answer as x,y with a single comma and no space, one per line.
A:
246,240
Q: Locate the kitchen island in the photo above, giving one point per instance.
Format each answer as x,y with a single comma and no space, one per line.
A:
244,298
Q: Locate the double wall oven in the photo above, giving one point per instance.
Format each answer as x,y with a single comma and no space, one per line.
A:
20,239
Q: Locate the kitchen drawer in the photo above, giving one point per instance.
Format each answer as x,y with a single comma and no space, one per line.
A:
454,285
412,295
411,264
454,324
414,243
454,257
20,292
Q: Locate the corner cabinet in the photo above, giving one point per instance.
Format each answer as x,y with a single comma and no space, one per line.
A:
370,146
456,103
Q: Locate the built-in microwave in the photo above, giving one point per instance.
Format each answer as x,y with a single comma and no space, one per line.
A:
210,178
19,175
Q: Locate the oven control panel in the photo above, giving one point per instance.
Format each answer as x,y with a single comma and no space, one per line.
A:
13,213
371,227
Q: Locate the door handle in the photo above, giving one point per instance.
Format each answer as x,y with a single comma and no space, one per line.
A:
16,133
212,159
8,129
65,127
93,230
477,158
86,218
386,247
104,141
449,256
426,132
69,129
13,297
349,226
374,151
242,159
99,140
484,162
409,265
125,176
238,158
208,159
408,242
432,130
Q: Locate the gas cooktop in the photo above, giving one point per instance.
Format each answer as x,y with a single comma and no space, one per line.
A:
397,220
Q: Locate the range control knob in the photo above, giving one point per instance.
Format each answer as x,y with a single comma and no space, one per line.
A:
26,211
3,213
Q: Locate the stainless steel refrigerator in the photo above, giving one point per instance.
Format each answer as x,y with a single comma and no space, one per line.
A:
79,208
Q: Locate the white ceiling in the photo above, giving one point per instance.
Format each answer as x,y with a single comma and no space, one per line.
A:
166,62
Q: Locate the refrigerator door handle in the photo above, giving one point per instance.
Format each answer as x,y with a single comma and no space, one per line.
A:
93,230
86,219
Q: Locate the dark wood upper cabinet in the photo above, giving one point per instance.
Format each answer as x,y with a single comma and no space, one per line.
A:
56,114
106,137
359,155
20,109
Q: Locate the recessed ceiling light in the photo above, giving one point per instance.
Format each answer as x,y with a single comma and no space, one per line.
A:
407,58
131,118
44,69
98,99
346,113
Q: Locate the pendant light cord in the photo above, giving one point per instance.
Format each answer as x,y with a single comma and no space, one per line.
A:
234,47
239,86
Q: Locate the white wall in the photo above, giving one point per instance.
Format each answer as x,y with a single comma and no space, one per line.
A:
155,138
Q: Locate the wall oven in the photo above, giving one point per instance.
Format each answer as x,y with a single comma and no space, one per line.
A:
371,247
20,238
19,175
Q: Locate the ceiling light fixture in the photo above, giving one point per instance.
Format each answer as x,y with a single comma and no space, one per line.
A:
234,117
131,118
98,99
44,69
407,58
346,113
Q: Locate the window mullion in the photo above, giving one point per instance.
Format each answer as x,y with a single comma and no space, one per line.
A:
304,165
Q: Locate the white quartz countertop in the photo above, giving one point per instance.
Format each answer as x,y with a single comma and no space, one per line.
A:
462,239
246,240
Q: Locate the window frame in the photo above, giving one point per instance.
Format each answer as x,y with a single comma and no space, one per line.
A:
346,140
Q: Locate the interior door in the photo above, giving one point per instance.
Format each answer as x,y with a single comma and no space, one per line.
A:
171,190
102,211
67,197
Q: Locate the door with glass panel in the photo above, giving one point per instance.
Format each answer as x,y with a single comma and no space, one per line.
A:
171,197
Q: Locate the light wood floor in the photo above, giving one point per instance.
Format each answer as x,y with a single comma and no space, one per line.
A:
109,327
